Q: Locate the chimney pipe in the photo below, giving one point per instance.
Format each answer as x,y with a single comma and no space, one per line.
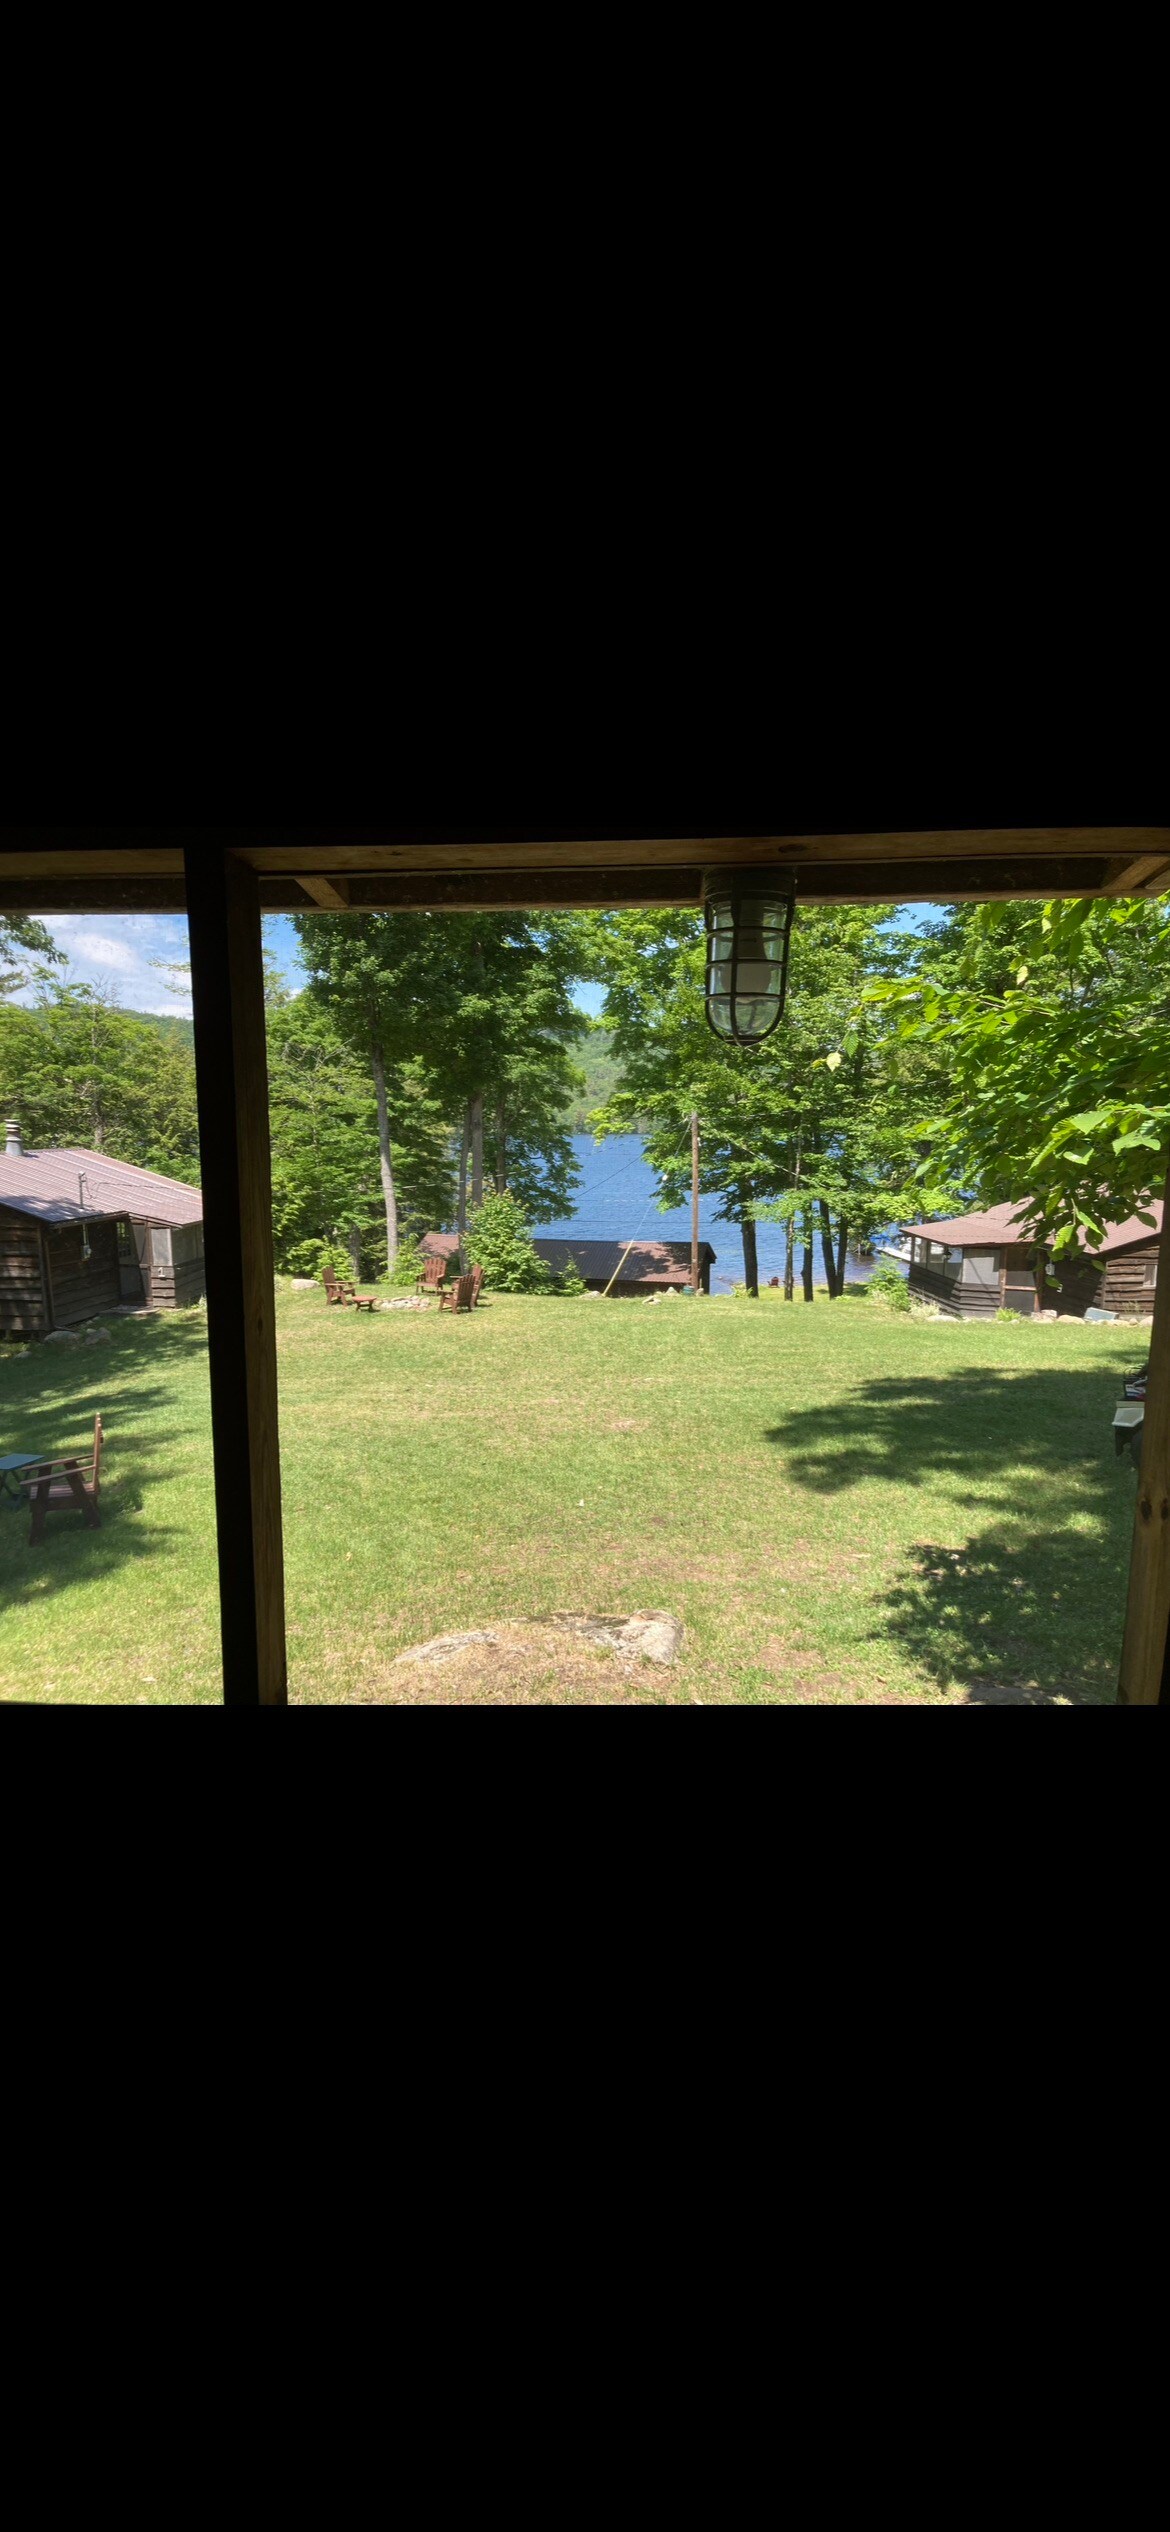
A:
13,1147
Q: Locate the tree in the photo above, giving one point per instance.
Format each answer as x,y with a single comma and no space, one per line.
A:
482,1007
326,1162
788,1130
1045,1044
77,1069
500,1241
23,942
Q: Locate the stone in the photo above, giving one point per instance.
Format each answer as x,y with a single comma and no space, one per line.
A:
304,1283
98,1336
443,1648
63,1336
651,1636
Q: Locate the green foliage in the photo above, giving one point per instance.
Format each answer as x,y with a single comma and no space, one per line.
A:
316,1257
602,1078
406,1272
500,1241
25,948
571,1282
79,1070
1043,1041
461,1009
326,1174
792,1130
888,1286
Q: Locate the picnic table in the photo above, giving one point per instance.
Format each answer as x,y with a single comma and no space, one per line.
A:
10,1470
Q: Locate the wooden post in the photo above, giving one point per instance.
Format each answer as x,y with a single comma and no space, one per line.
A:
696,1278
227,984
1145,1668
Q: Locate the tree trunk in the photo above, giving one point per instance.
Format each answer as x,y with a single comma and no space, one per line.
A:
827,1248
790,1267
353,1241
842,1252
388,1188
809,1287
501,1147
751,1265
464,1157
477,1151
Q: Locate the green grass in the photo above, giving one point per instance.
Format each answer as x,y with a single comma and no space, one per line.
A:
842,1505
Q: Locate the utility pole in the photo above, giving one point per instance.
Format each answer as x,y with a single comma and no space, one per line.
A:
696,1280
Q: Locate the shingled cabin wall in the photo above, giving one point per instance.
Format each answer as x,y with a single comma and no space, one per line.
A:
172,1263
80,1288
23,1304
1130,1280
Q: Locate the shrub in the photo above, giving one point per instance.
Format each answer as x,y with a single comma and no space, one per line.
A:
887,1285
571,1284
406,1272
500,1241
317,1257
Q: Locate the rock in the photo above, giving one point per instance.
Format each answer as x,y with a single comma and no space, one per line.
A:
443,1648
1045,1314
303,1283
652,1636
63,1336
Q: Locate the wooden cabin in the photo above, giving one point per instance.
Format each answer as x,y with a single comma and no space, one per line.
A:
159,1221
978,1263
652,1266
58,1266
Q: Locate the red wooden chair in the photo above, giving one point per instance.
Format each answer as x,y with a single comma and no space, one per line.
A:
459,1298
65,1485
338,1295
433,1276
477,1284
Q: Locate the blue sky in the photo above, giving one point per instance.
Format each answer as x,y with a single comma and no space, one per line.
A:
129,955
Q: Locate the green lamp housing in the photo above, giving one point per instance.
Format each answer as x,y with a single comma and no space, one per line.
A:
750,914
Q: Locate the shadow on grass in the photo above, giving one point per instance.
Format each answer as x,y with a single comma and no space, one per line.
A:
969,1424
48,1402
1010,1622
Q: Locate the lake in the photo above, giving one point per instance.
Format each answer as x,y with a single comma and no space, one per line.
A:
617,1200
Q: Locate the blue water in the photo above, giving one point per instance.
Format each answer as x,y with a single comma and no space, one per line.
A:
617,1200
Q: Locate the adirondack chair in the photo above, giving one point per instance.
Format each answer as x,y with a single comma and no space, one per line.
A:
65,1485
337,1295
459,1298
477,1283
433,1276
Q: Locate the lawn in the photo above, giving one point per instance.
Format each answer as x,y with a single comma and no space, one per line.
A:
843,1506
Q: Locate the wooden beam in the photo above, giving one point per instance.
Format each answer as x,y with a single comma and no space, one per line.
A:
497,890
1145,1652
333,893
227,986
1139,878
370,849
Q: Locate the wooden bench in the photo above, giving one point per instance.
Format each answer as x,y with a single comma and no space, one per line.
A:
65,1485
433,1276
363,1301
337,1295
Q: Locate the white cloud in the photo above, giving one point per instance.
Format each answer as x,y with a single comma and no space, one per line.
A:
128,954
122,954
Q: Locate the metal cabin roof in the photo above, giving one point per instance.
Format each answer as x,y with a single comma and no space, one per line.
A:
45,1183
51,1212
1006,1226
